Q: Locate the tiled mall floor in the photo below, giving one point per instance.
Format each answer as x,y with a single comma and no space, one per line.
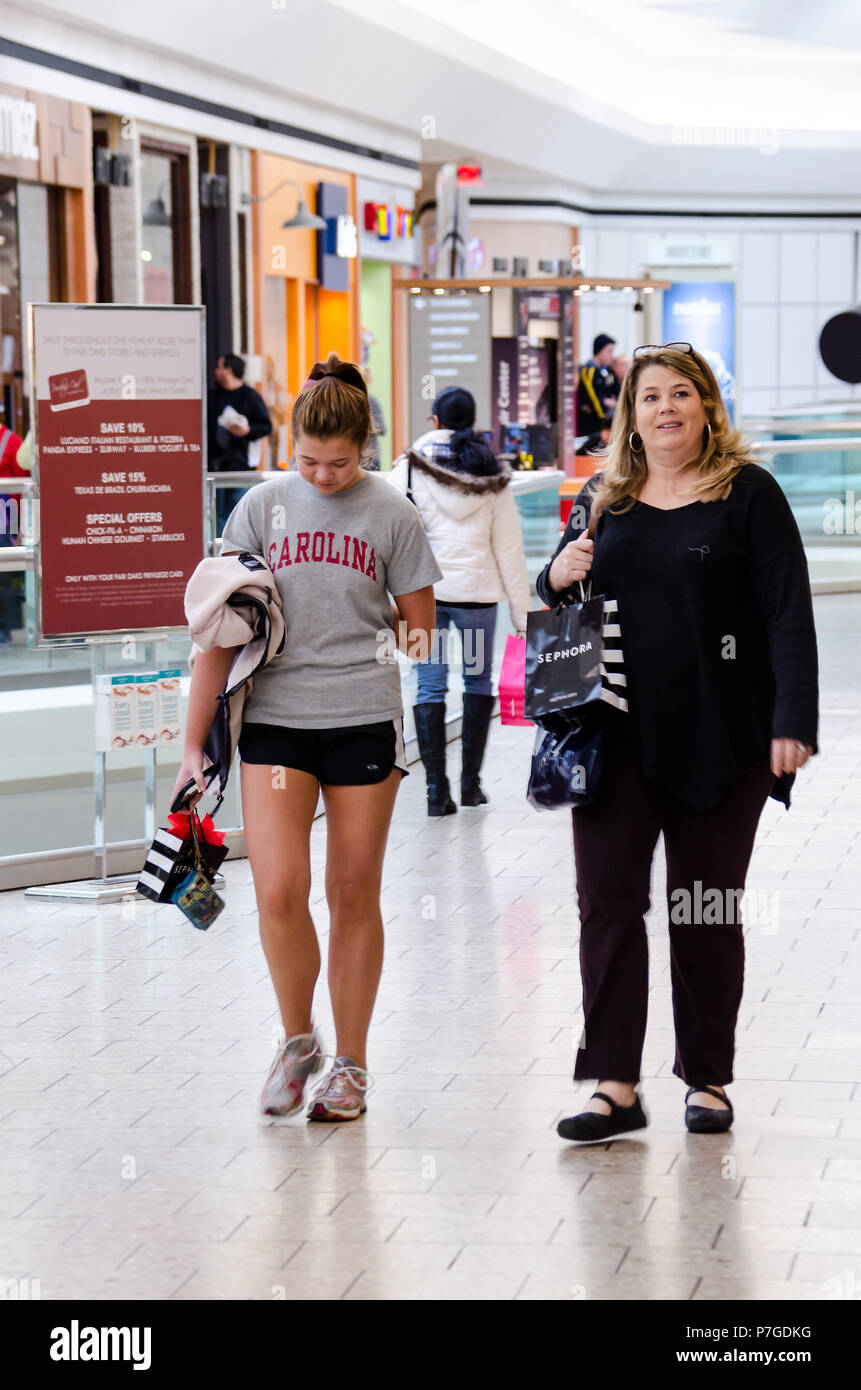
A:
134,1164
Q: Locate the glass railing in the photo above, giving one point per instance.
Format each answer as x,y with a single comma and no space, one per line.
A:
814,452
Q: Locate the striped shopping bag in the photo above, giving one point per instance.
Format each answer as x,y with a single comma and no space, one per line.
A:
168,861
613,680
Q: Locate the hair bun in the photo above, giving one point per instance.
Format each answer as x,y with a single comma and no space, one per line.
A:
346,372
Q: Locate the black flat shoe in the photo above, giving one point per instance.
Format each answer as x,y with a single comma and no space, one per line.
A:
589,1126
701,1120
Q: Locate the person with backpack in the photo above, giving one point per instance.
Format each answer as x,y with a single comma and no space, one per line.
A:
324,716
463,496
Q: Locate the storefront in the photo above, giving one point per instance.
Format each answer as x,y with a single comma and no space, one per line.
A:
306,281
46,250
387,245
145,209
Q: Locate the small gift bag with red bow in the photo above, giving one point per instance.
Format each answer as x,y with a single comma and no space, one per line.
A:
177,851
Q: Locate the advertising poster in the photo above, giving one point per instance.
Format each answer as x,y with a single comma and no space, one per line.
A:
536,379
524,393
504,369
119,434
702,313
567,367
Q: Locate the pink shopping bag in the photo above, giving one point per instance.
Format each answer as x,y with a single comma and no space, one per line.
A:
512,679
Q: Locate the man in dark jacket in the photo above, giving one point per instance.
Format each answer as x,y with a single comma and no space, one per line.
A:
598,387
233,444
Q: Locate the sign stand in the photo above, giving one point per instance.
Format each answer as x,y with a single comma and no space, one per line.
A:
119,391
104,887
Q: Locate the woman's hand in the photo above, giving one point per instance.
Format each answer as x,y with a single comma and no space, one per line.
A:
190,768
788,755
571,564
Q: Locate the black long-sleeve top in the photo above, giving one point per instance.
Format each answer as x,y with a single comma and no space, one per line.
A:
228,452
717,631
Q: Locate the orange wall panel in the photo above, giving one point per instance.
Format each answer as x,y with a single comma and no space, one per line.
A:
333,324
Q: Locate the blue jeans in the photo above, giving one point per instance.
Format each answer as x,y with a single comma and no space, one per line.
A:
226,498
477,627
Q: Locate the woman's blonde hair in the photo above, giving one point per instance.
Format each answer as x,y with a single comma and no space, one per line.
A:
724,448
333,402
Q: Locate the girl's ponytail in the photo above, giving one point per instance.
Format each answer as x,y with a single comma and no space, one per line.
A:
333,402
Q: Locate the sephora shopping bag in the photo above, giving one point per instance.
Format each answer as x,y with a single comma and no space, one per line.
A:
174,853
567,762
512,682
573,658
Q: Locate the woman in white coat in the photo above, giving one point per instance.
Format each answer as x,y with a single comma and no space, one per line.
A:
468,510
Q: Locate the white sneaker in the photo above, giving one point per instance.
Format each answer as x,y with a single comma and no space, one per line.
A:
341,1094
297,1059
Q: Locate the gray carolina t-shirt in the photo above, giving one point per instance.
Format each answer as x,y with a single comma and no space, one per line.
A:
335,558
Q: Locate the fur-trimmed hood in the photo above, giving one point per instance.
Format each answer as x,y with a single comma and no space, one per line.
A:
472,524
463,482
430,455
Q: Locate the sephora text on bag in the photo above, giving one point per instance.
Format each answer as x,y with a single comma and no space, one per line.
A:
563,658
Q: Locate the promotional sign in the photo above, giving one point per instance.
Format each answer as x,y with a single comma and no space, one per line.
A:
118,411
536,403
449,346
137,711
702,313
524,392
567,367
504,378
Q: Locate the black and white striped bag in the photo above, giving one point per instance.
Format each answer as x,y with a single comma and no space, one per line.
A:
613,680
169,858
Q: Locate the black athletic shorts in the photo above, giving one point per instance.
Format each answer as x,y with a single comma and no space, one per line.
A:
354,756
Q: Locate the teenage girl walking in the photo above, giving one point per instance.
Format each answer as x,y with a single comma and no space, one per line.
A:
325,715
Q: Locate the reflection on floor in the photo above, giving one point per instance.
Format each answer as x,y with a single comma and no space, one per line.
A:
134,1164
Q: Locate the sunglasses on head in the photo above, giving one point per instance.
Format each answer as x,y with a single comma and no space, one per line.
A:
649,348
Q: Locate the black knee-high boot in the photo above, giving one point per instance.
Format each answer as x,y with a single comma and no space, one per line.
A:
477,710
430,731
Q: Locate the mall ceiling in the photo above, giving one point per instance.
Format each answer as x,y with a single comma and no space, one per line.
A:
637,103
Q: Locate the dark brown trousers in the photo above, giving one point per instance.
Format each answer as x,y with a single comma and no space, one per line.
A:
614,844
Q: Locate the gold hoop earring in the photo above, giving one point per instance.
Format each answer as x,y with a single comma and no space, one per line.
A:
638,447
708,435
